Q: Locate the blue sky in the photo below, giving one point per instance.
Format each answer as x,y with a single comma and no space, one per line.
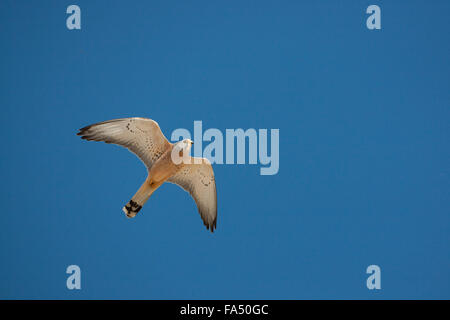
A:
364,149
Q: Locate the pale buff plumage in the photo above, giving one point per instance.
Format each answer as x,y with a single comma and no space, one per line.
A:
144,138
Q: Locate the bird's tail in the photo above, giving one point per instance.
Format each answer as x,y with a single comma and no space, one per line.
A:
139,199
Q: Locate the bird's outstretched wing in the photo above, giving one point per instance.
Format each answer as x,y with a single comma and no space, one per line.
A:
141,136
199,181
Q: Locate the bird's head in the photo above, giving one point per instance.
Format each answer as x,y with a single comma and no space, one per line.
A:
185,144
180,151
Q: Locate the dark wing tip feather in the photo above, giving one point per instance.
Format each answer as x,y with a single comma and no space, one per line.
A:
210,226
89,136
83,131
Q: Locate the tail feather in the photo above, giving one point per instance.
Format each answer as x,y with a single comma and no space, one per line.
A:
131,208
139,199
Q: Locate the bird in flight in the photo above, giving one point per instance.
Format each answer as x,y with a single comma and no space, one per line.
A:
144,138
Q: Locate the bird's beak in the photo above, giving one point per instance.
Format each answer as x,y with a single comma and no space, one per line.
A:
192,142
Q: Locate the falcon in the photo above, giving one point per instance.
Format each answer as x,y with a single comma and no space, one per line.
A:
144,138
